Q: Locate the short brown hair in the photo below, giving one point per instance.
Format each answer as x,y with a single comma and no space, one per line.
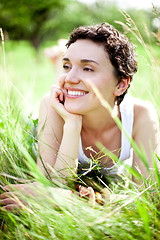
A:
120,50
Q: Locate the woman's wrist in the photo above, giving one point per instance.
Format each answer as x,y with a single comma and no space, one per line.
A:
73,123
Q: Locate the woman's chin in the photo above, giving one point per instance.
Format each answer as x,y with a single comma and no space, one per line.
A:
72,109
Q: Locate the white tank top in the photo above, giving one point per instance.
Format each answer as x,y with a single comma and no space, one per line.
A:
127,118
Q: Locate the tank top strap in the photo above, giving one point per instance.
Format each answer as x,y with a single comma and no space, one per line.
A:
127,118
82,158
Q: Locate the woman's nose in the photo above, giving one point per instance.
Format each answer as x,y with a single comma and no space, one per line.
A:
72,76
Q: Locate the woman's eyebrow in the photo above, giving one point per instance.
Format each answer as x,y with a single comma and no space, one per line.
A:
88,61
83,60
66,59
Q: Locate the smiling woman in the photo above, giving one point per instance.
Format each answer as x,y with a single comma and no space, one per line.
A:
72,118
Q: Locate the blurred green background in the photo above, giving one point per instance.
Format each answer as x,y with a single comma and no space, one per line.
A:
31,26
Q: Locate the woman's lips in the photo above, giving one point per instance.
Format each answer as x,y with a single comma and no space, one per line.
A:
74,93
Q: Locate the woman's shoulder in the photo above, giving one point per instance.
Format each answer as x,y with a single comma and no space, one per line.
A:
46,98
143,108
139,105
45,105
145,114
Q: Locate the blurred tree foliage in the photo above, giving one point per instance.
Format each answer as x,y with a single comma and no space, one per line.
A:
39,20
25,19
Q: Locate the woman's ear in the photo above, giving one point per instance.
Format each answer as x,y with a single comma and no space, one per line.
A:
122,86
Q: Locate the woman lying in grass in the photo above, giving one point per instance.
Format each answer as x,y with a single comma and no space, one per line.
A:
73,119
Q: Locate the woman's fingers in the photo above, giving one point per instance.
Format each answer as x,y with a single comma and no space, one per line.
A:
87,192
9,188
12,207
9,201
14,196
61,96
6,195
10,195
18,189
56,95
91,196
83,191
57,102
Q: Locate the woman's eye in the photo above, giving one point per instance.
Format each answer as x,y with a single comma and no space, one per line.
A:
66,67
88,69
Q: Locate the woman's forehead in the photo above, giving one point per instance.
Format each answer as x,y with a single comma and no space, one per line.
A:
85,48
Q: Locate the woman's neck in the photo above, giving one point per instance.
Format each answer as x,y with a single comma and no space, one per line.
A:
99,121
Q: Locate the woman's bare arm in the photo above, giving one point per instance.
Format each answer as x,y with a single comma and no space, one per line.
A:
59,133
146,132
50,131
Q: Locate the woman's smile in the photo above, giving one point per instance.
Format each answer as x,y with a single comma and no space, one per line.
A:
75,93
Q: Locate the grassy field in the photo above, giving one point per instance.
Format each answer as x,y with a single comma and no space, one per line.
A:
25,77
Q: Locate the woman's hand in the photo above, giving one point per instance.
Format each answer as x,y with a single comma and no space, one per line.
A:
14,196
57,102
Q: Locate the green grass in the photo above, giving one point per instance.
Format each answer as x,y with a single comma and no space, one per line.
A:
146,83
29,74
27,78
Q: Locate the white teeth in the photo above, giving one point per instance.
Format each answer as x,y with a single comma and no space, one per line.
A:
76,93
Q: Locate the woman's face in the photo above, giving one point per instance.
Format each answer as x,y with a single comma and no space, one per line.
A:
86,62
